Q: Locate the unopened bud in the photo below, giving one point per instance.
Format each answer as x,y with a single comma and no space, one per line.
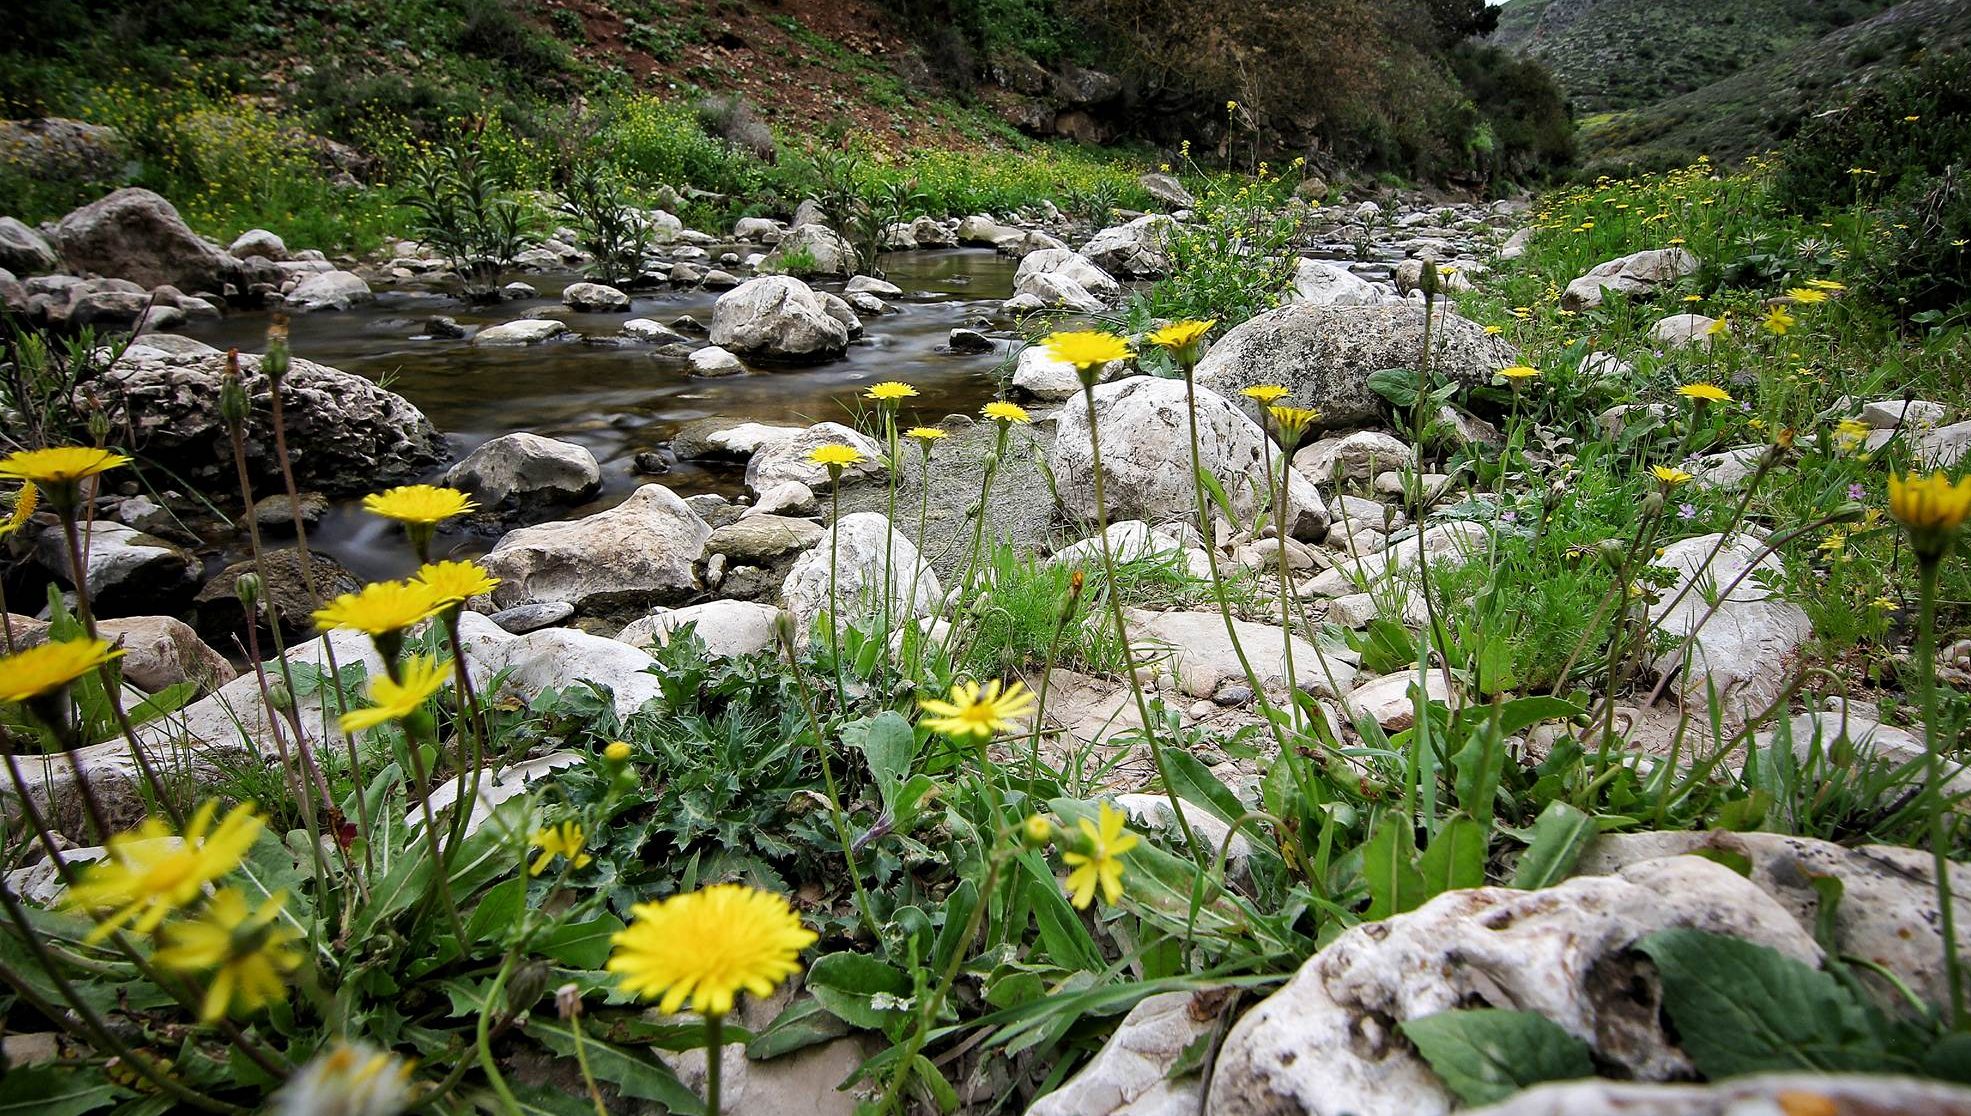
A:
568,1001
1427,278
1652,503
99,426
618,751
247,587
1036,831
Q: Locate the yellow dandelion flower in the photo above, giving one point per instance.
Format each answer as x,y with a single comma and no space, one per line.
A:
1086,349
890,391
150,872
47,668
1778,321
1806,295
1702,393
379,608
835,456
452,582
566,840
1827,285
1932,507
1180,338
1495,330
24,504
1671,477
1264,394
1851,434
59,466
418,504
979,712
925,435
247,953
1001,411
707,946
1519,372
392,700
1036,831
1833,544
1102,863
618,751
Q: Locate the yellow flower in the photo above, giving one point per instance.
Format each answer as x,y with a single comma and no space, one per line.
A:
244,950
1884,603
1719,327
1911,119
1827,285
1519,372
1670,477
353,1078
1495,331
975,711
1851,434
1264,394
925,435
1834,543
835,456
1292,421
561,840
23,509
420,504
1102,864
149,872
1001,411
59,466
1806,295
1932,508
1180,337
618,751
1778,321
890,391
1702,393
47,668
707,946
392,700
381,607
1231,106
1086,349
1036,831
452,582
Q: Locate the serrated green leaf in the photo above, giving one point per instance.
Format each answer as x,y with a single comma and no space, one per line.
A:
1560,835
1486,1055
1741,1008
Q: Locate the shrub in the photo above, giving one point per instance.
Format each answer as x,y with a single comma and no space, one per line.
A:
1891,138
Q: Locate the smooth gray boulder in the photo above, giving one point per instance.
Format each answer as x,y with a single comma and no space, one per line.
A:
777,317
1742,648
134,234
1634,275
643,552
331,290
524,472
23,251
594,298
860,545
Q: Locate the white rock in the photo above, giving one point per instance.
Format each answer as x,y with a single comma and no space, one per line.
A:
594,298
1325,1044
1387,699
1945,446
786,460
1139,249
1742,649
1070,265
1356,457
777,317
728,628
160,651
557,658
643,551
331,290
786,498
523,469
1127,1076
1195,649
258,242
715,361
1324,284
1129,541
1773,1094
1889,414
526,331
1446,544
831,255
1680,330
858,545
120,563
655,332
1041,376
1152,811
867,284
1638,273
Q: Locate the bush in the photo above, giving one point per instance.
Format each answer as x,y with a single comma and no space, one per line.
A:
1890,140
1919,261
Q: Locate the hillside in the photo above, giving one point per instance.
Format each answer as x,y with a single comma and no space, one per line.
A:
1612,55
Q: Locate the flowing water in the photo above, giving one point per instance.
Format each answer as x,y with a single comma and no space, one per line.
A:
620,400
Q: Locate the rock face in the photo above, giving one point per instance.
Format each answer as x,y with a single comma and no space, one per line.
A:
1791,1094
525,472
22,251
1324,284
594,298
1637,273
1146,457
126,570
1066,265
1327,1043
858,544
1742,648
829,253
526,331
331,290
344,433
1888,909
783,460
728,628
136,235
1126,1077
642,552
777,317
1137,250
1324,355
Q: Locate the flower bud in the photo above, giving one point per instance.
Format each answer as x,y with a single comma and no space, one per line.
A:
248,588
1427,278
617,752
1036,831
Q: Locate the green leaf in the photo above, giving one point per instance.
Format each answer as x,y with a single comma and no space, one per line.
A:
57,1091
1741,1008
639,1076
1455,858
850,984
581,945
1950,1058
1389,865
958,907
928,1075
1193,782
1398,385
1486,1055
1063,936
1478,765
1560,835
889,745
801,1024
497,911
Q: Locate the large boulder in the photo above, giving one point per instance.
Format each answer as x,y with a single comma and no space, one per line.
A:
1069,265
1137,250
288,596
1146,457
55,148
860,544
525,472
787,459
1324,284
643,552
819,250
1324,355
134,234
1638,273
125,570
1742,646
1167,190
23,251
1327,1042
777,317
345,434
161,651
330,290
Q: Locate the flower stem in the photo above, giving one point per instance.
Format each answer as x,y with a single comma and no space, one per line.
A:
1926,636
714,1024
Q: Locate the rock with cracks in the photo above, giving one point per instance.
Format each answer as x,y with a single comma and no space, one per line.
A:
860,546
777,317
642,552
134,234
